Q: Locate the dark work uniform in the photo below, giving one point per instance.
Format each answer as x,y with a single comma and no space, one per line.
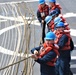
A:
45,10
63,61
44,68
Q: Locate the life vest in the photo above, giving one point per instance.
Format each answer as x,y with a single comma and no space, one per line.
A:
51,26
44,10
65,23
48,49
66,26
61,16
56,6
59,35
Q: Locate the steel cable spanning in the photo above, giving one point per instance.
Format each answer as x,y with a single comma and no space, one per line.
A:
16,38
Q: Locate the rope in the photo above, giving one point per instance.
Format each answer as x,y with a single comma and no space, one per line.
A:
26,40
14,63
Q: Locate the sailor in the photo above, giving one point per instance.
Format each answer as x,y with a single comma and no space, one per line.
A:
46,55
50,23
63,41
42,12
61,19
54,6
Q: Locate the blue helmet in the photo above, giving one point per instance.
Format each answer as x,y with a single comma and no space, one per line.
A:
57,20
60,24
52,0
41,1
53,13
50,36
48,19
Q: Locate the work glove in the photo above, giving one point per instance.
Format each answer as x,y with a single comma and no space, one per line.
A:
42,14
35,57
36,52
42,22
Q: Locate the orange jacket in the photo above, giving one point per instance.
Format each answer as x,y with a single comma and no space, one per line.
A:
65,23
48,49
59,35
61,16
51,26
56,6
66,26
44,10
